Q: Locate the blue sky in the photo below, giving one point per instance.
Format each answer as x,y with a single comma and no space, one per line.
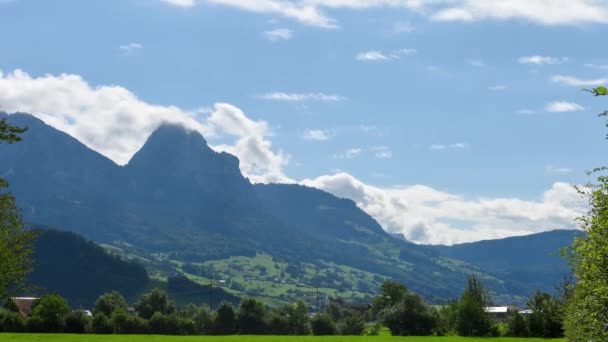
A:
476,100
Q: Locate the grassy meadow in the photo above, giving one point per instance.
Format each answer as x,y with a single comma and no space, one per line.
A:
156,338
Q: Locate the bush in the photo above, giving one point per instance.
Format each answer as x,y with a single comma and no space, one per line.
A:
34,324
11,322
411,317
278,324
322,324
110,302
352,325
225,320
155,301
51,310
123,323
102,324
77,322
517,326
164,324
251,317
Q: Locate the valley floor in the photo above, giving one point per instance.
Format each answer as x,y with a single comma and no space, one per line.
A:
156,338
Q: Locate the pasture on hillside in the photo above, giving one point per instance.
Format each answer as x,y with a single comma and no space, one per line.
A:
157,338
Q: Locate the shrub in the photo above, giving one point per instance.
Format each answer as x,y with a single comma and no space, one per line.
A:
411,317
110,302
51,310
102,324
164,324
322,324
123,323
352,325
77,322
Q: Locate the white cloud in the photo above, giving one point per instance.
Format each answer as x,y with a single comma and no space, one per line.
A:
578,82
278,34
302,11
300,97
314,12
382,152
316,135
597,66
115,122
546,12
426,215
498,87
478,63
443,147
180,3
377,55
131,47
402,27
350,153
555,169
563,106
526,112
540,60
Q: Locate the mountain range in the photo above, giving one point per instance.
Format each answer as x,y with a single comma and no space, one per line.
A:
179,206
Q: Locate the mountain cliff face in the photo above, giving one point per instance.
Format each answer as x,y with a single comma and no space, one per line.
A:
179,200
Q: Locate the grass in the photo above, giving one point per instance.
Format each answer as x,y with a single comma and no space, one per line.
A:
155,338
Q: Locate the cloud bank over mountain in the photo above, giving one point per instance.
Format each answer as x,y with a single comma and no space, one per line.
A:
115,122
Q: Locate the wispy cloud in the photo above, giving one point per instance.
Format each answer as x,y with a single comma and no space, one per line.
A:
377,55
554,169
454,146
316,12
350,153
180,3
402,27
563,107
131,47
278,34
578,82
382,152
498,87
317,135
301,97
478,63
597,66
540,60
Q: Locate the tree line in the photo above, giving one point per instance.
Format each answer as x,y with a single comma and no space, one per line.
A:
403,312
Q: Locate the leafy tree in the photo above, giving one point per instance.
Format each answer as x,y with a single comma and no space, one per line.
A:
391,293
155,301
587,310
102,324
448,319
51,310
110,302
411,317
77,322
225,320
201,318
322,324
251,317
517,326
546,317
15,241
278,323
352,325
472,319
299,322
161,324
123,323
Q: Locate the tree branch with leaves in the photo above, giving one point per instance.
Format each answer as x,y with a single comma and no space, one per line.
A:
15,240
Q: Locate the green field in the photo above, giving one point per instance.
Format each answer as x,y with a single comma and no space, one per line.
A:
155,338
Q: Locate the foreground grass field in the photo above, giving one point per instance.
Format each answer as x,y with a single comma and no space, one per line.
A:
154,338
